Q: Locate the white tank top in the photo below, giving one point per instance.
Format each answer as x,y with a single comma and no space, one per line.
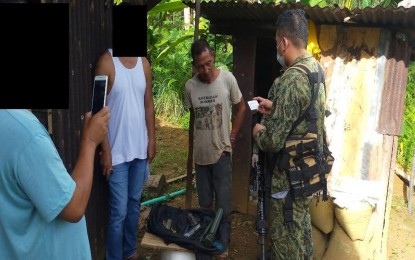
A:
127,131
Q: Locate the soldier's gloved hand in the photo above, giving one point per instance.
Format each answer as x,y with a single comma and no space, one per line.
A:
254,159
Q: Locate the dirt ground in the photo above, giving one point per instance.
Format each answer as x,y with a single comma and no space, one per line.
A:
401,236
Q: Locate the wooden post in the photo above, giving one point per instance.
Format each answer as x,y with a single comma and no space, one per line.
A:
189,179
244,56
197,17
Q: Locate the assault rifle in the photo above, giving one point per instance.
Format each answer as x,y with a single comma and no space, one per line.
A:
262,227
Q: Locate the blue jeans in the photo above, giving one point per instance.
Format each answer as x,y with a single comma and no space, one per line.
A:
125,186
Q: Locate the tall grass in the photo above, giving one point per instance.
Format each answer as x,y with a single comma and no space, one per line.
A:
168,102
170,76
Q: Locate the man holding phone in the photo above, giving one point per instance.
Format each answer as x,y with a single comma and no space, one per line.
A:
129,148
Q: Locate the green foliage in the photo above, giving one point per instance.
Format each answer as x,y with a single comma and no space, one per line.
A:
360,4
167,7
406,142
223,48
320,3
168,44
349,4
185,120
168,98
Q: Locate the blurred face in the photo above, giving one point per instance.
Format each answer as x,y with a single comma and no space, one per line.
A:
204,64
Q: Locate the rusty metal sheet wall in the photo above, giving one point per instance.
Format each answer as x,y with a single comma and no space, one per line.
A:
356,63
354,60
396,77
90,33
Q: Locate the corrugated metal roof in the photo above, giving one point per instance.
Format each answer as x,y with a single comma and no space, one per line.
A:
236,11
150,3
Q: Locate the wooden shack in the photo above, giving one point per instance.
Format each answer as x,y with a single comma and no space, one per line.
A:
365,55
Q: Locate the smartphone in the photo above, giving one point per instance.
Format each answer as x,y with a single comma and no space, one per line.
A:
99,94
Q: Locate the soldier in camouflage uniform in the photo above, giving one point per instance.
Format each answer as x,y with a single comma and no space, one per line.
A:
290,95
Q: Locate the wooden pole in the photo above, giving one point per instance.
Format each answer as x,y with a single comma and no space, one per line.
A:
189,178
411,185
197,17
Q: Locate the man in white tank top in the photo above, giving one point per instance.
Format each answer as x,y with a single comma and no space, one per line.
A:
129,148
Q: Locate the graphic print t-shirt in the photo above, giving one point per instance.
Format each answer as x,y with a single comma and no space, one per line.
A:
212,105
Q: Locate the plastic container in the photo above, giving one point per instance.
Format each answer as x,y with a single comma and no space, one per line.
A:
177,255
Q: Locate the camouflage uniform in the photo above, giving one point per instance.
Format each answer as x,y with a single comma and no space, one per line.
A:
291,95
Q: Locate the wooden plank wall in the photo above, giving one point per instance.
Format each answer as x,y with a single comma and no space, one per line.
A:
244,68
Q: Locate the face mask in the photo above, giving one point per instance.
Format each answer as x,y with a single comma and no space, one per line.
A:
280,58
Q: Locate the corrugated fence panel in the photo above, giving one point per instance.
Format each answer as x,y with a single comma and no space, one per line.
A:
90,33
396,77
350,61
355,60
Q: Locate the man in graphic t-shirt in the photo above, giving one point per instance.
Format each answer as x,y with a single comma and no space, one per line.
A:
210,95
